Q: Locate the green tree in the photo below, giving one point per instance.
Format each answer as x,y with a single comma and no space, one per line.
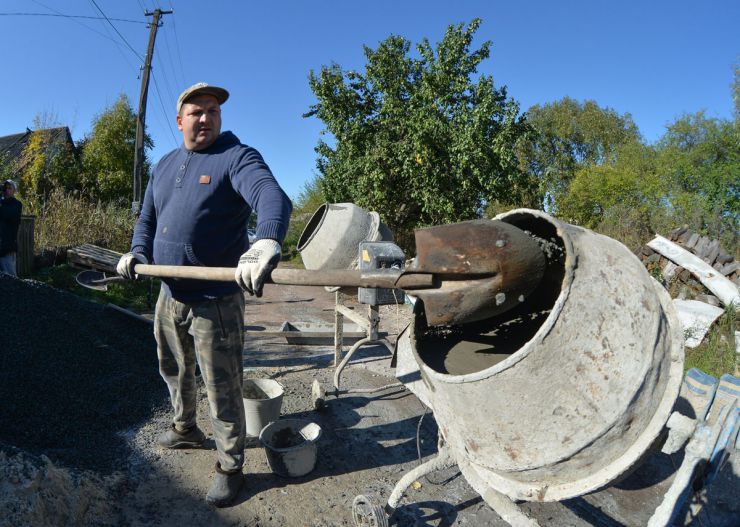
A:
626,196
48,162
571,136
108,153
700,157
691,176
309,199
418,139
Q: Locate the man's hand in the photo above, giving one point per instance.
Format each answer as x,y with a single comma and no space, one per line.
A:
256,264
126,264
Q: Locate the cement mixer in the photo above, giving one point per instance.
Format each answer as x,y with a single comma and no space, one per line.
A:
561,394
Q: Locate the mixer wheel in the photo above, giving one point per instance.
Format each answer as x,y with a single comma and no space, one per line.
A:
365,514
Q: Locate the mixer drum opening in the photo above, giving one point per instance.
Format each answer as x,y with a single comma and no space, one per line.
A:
467,348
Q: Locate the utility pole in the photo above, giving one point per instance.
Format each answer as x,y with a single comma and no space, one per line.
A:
141,118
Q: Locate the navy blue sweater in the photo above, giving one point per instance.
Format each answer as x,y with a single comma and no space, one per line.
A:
196,207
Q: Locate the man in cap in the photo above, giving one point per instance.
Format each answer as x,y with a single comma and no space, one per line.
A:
10,220
195,212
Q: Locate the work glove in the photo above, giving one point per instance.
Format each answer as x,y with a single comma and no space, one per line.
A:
256,264
126,264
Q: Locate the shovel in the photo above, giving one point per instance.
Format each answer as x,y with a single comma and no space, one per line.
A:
463,272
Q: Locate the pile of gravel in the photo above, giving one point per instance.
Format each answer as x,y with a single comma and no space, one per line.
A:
74,376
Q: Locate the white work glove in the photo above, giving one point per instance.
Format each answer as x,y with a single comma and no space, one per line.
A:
256,264
126,264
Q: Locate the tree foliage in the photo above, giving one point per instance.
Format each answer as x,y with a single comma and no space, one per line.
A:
691,176
700,157
418,139
47,162
571,136
630,183
309,199
108,153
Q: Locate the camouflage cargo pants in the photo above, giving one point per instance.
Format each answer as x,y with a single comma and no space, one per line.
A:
211,332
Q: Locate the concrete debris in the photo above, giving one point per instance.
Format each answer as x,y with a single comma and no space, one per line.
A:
718,284
696,318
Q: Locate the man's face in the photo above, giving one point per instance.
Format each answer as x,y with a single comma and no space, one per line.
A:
199,121
9,191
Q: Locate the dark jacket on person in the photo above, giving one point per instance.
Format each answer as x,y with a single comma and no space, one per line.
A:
10,220
196,207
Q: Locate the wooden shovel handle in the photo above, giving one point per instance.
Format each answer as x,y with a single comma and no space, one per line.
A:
332,278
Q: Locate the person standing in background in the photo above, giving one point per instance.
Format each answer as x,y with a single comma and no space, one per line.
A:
10,220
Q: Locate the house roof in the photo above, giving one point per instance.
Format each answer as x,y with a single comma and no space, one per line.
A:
11,146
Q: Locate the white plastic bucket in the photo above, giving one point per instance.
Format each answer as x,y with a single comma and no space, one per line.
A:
262,401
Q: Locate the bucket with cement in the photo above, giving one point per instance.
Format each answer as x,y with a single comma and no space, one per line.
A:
262,401
290,446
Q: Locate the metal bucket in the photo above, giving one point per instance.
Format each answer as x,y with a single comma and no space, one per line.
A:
563,394
333,234
290,446
262,401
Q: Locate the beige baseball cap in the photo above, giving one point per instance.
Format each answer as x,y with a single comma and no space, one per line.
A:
202,88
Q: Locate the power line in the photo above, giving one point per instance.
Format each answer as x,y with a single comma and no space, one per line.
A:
164,112
107,37
171,62
118,32
165,78
61,15
177,42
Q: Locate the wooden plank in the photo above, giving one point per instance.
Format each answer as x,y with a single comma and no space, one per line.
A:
90,256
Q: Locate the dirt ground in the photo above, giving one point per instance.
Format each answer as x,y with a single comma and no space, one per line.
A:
368,443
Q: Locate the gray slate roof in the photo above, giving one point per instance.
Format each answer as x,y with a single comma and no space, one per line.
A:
11,146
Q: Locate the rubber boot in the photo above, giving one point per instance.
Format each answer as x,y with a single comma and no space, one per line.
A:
225,487
174,438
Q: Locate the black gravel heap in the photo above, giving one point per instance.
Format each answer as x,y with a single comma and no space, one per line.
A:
74,376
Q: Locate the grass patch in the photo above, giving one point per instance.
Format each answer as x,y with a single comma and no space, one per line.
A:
139,296
716,355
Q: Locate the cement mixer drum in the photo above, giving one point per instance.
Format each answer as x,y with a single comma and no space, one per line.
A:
566,392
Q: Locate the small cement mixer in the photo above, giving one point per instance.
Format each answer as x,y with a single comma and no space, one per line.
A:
558,396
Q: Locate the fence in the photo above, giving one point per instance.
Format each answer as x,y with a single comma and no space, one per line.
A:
24,264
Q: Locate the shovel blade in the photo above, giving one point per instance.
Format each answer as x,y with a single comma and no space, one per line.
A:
485,267
95,280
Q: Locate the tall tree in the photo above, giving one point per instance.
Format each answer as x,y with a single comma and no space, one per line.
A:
570,136
631,183
691,176
419,140
108,153
700,157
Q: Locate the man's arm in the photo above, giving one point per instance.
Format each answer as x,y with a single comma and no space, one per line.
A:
142,241
253,180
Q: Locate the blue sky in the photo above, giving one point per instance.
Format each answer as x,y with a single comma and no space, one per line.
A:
654,59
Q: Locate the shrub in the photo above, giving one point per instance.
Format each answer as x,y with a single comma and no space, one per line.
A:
67,219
